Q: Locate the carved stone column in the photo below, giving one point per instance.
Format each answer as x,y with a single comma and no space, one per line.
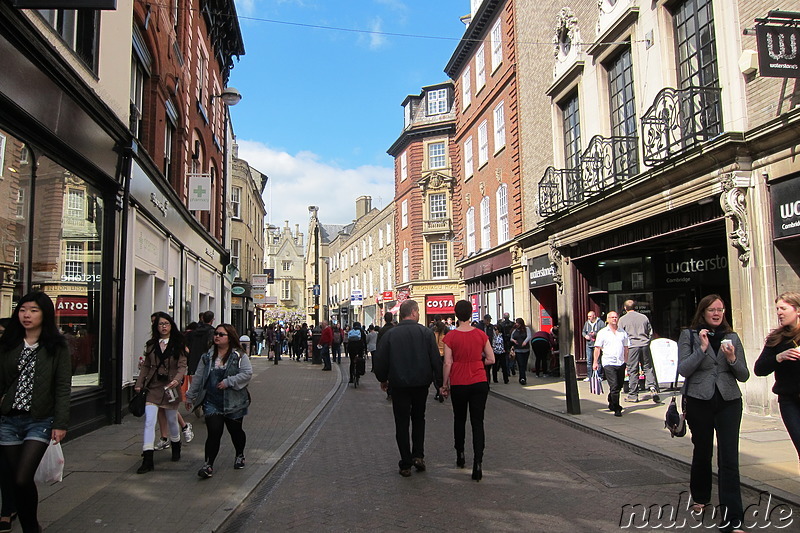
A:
734,204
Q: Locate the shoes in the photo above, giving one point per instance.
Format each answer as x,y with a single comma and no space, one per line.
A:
461,461
513,372
587,379
351,380
419,464
441,399
610,407
477,471
6,526
656,397
505,381
162,444
523,382
631,398
147,462
326,369
206,472
618,412
176,451
188,434
405,472
238,464
495,380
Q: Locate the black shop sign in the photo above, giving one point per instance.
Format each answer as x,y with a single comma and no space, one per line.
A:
778,51
541,272
786,208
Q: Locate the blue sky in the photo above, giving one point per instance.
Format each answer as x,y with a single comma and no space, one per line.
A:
320,107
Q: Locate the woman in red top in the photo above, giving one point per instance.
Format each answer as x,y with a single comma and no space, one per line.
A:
466,354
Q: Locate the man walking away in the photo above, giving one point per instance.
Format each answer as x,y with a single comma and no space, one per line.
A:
638,328
408,360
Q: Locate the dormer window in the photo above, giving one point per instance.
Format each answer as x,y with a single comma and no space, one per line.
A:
437,102
407,115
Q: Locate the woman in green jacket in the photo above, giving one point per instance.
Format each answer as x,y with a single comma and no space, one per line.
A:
35,382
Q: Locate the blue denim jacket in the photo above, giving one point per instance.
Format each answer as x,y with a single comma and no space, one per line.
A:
238,372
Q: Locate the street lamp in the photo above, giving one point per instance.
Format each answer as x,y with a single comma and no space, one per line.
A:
229,96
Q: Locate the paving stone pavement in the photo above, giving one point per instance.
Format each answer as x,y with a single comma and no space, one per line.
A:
539,475
101,489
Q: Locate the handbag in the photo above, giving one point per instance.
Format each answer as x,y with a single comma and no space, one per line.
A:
137,404
51,467
595,383
674,421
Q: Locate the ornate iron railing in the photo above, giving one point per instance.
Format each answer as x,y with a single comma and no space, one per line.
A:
559,189
606,162
678,120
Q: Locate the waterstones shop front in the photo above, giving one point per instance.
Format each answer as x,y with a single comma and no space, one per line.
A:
666,275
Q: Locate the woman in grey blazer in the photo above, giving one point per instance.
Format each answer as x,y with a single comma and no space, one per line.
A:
711,358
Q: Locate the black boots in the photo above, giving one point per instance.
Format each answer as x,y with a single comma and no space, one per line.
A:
477,471
176,451
147,462
461,461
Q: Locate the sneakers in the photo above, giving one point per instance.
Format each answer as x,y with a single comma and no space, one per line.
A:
655,396
587,379
162,444
206,472
238,464
188,434
631,398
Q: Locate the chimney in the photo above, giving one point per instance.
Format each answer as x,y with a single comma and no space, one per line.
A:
363,206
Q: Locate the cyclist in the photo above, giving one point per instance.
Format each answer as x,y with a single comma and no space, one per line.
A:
356,347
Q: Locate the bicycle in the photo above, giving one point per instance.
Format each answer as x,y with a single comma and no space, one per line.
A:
355,369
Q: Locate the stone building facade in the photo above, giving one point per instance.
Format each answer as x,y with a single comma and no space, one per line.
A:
285,256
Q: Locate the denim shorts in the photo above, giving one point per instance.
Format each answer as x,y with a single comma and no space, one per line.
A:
16,429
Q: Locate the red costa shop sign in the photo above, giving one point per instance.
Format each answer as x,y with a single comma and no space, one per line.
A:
72,306
440,305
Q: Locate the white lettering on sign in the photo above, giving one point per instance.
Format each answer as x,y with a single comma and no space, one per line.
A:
438,304
792,209
72,306
698,265
543,272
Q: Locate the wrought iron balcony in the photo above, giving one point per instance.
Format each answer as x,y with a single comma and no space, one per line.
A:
606,162
679,119
437,225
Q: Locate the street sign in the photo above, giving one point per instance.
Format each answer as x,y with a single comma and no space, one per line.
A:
237,290
356,297
258,280
270,273
315,290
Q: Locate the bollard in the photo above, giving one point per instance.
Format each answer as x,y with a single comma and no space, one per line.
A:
571,383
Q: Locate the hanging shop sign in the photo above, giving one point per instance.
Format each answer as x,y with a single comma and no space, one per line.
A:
778,48
786,207
541,272
199,191
440,305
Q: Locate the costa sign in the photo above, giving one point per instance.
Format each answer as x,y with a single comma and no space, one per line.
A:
72,306
440,305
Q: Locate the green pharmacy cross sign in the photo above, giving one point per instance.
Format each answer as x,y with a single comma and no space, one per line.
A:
200,192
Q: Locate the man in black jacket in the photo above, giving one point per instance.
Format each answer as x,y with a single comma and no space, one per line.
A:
408,360
199,341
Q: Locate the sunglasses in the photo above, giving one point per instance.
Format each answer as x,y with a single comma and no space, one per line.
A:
218,334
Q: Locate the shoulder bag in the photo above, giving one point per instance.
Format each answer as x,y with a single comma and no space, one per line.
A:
137,404
674,421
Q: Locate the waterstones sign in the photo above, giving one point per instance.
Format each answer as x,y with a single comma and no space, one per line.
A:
692,267
778,51
541,272
786,208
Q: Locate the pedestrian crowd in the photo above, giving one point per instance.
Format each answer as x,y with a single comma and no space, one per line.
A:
207,369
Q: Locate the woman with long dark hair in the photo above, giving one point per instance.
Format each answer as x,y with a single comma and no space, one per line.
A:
521,343
782,356
711,358
35,383
220,386
467,353
162,370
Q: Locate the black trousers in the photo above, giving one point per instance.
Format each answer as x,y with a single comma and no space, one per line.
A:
408,403
500,363
473,398
615,375
705,418
215,425
541,350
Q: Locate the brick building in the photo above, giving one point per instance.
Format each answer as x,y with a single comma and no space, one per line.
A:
426,202
484,66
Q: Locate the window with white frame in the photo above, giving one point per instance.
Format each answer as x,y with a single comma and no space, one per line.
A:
483,144
76,206
406,268
499,127
403,166
437,102
380,238
169,142
438,205
480,68
497,45
137,96
470,230
20,207
73,261
407,115
369,241
466,88
371,282
437,158
469,164
389,274
286,289
236,248
382,277
286,266
388,233
502,214
404,214
363,248
486,225
236,202
439,260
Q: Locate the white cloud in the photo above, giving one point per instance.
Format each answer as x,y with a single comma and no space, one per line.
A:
300,180
376,40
